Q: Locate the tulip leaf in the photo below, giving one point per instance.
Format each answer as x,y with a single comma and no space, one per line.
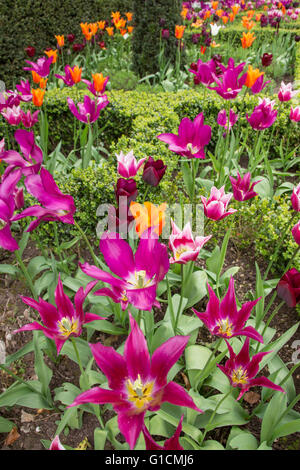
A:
21,394
83,348
106,327
160,427
241,440
212,445
36,265
190,430
195,290
286,429
6,425
272,414
43,372
9,269
100,437
277,345
187,177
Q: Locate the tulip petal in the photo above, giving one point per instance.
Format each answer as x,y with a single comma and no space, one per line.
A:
136,352
177,395
165,356
131,427
111,363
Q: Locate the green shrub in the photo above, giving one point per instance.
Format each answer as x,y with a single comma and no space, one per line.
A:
123,80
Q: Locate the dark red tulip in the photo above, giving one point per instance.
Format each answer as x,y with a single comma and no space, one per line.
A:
71,38
288,288
30,51
153,172
165,33
126,188
78,47
266,59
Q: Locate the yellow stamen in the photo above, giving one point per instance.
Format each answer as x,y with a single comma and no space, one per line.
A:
67,326
239,376
139,393
225,328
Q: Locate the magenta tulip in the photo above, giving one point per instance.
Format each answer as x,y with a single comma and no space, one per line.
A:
242,187
295,114
286,92
41,66
62,321
7,208
56,444
295,198
24,88
222,118
263,115
170,444
153,171
288,288
183,245
89,110
128,166
67,78
224,319
57,206
138,275
296,233
136,382
215,207
229,84
12,115
241,371
203,72
28,120
191,139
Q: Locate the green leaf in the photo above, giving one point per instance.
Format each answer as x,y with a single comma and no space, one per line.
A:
241,440
43,372
196,288
6,425
106,327
9,269
286,429
100,437
277,345
20,394
187,177
272,414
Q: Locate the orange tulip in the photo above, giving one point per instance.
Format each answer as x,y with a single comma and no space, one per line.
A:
129,16
283,9
93,28
148,215
120,24
235,9
130,29
101,24
75,74
250,14
213,44
84,28
219,13
252,76
115,16
53,54
37,96
60,41
110,31
247,40
231,17
184,12
99,82
179,30
207,14
202,49
123,31
225,19
265,7
35,77
258,16
43,83
214,5
247,24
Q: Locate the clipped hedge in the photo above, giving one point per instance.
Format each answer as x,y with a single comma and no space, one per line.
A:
35,23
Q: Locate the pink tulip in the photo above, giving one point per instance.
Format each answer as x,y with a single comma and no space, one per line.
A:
242,187
7,208
56,444
295,198
12,115
128,166
286,92
215,207
296,232
295,114
183,245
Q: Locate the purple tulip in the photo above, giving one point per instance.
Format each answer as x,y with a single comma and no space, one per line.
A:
296,233
153,172
215,206
12,115
62,321
170,444
7,208
32,157
241,371
165,33
203,72
128,166
183,245
136,382
224,319
57,206
25,89
139,274
263,115
191,139
30,51
222,119
28,119
242,190
41,66
126,188
89,110
288,288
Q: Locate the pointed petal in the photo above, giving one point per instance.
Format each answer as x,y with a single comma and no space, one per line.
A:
177,395
111,363
131,427
136,352
117,254
165,356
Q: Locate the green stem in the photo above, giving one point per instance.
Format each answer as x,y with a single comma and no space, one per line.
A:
87,242
26,275
202,372
213,415
180,302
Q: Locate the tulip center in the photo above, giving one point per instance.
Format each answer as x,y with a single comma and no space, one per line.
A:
62,212
225,327
139,281
191,149
180,251
67,326
139,393
239,376
2,224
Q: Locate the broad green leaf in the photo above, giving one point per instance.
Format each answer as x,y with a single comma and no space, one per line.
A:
6,425
9,269
196,288
286,429
272,414
106,327
100,437
20,394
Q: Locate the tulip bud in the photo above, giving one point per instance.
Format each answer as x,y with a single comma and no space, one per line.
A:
153,172
30,51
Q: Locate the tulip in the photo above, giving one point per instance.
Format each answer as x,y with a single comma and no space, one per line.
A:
12,115
78,47
247,40
286,92
136,382
37,96
33,155
126,188
170,444
89,110
295,198
30,51
183,245
241,371
52,53
148,215
222,119
215,206
110,31
230,84
191,139
266,59
179,30
7,208
224,319
28,119
296,233
252,76
263,115
165,33
242,191
25,89
72,75
98,85
295,114
128,166
71,38
60,40
57,206
288,288
56,444
214,29
63,321
153,172
139,274
204,72
42,66
35,77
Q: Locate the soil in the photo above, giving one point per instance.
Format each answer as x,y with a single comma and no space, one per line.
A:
36,425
